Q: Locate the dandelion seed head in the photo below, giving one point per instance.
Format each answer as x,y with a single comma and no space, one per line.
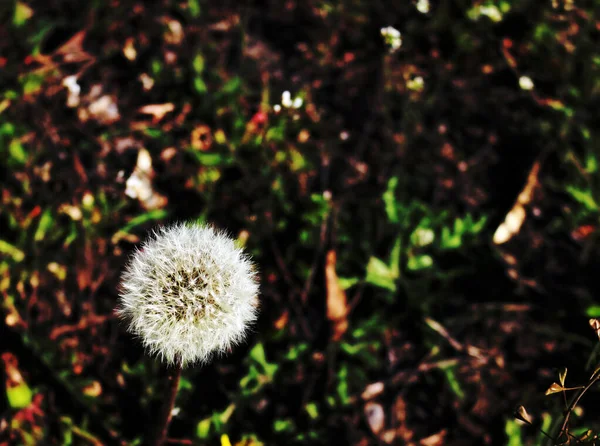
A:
189,293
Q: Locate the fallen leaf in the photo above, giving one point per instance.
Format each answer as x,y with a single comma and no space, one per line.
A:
373,390
435,439
202,137
595,324
375,416
158,111
516,216
337,304
139,184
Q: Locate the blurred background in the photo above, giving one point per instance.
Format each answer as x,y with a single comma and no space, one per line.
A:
417,181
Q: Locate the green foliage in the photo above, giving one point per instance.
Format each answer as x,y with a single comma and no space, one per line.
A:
19,396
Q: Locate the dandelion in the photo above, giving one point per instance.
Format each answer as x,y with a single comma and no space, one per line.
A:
189,293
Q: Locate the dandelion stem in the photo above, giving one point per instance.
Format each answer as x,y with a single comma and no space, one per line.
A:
162,427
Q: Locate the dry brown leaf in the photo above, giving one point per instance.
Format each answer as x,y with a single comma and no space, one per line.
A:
158,111
282,320
337,303
595,324
516,216
373,390
555,388
85,266
202,137
435,439
139,184
438,439
403,431
93,389
522,415
375,416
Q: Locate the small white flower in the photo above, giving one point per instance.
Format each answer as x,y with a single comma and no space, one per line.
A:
526,83
492,12
288,102
70,83
416,84
189,293
392,37
423,6
286,99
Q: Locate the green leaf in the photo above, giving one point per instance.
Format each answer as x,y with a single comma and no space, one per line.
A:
351,349
348,282
591,164
389,198
19,396
395,258
22,13
584,197
7,129
194,8
12,251
450,240
379,274
276,134
312,410
46,223
342,386
212,159
198,63
258,355
17,152
513,432
453,382
32,83
283,425
233,85
156,214
593,311
203,428
199,85
153,132
419,262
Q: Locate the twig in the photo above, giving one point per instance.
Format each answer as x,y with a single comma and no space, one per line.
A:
557,430
174,374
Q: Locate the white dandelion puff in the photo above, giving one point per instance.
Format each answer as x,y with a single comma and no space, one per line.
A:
189,293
